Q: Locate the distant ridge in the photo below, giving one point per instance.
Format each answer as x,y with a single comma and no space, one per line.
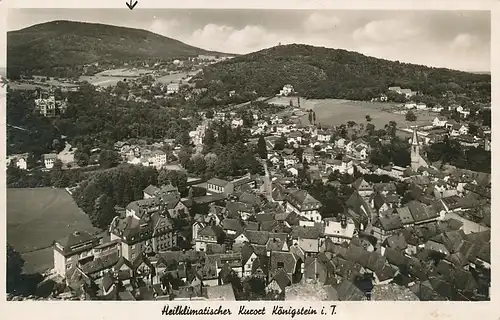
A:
63,44
319,72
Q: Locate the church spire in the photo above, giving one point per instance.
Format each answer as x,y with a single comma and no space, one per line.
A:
414,140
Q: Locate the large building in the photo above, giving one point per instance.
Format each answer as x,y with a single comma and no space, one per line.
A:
303,204
147,225
73,251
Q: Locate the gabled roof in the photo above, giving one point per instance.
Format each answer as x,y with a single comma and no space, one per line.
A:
282,279
347,291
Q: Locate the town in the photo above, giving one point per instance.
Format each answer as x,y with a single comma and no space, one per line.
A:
257,197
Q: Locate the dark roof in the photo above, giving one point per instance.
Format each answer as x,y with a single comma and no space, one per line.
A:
101,263
421,212
395,257
73,243
211,231
347,291
282,279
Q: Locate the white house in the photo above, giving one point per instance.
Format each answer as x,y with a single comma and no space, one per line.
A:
236,123
290,160
464,113
339,232
458,130
49,159
19,160
410,105
421,106
324,136
172,88
287,90
439,122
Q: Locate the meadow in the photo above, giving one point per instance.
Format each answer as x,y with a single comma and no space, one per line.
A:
336,112
36,218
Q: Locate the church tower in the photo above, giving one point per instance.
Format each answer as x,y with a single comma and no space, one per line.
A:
416,159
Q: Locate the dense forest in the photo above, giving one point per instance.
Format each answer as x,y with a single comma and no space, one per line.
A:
61,48
317,72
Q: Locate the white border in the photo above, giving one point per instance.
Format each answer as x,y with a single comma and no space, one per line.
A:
345,310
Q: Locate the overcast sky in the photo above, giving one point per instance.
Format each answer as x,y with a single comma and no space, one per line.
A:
452,39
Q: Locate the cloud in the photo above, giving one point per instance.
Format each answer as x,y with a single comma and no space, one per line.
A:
320,22
230,39
463,41
384,31
168,28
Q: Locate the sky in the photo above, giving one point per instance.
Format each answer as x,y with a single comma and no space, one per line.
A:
452,39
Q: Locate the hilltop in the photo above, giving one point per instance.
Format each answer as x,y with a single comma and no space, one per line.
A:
60,45
318,72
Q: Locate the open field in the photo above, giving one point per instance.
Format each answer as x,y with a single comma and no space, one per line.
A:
337,112
124,72
36,217
175,77
101,81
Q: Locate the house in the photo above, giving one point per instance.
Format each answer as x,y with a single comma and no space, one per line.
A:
287,263
439,122
73,251
290,160
287,90
153,191
308,155
347,291
410,105
421,106
262,124
316,269
208,234
459,130
385,226
216,185
235,123
303,204
147,226
364,188
173,88
307,238
19,161
221,293
464,112
339,231
324,136
49,160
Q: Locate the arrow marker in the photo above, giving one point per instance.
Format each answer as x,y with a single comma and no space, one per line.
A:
4,81
131,5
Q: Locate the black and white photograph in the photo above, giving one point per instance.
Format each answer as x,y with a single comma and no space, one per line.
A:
248,155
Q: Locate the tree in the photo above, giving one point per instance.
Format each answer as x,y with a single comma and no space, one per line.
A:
183,138
262,148
411,116
209,139
15,264
184,156
104,211
370,128
108,159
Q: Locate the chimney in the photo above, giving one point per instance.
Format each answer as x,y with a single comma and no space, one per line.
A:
343,221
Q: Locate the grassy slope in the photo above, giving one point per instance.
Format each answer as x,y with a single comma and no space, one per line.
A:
37,217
